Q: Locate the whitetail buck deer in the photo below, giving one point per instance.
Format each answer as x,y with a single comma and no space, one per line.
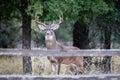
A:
52,44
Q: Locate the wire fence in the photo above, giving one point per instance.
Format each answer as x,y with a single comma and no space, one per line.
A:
96,62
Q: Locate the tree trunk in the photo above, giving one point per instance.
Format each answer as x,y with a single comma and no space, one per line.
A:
106,41
107,37
80,40
107,44
26,36
80,35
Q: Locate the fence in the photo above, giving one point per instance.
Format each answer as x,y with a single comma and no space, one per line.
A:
80,77
96,57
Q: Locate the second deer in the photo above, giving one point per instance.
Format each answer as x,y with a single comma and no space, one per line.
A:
75,62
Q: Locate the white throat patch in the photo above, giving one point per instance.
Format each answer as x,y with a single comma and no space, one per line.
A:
49,37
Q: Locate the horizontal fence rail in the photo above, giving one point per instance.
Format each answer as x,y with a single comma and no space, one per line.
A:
67,77
43,52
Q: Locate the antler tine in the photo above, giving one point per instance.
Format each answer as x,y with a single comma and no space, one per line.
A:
61,18
60,21
37,21
53,23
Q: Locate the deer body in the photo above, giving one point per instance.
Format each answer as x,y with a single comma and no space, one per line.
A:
52,44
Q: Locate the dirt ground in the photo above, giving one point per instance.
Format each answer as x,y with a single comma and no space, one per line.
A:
41,66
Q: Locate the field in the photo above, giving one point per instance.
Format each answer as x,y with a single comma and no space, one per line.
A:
41,66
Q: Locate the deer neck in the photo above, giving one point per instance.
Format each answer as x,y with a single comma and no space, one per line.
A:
50,41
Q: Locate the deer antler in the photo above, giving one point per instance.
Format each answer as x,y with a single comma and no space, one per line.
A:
60,21
37,21
42,26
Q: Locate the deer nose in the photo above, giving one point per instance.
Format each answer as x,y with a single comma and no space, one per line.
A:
48,33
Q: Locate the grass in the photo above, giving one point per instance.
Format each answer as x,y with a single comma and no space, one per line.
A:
40,65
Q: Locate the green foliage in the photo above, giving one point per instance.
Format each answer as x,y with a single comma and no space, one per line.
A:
9,33
49,10
9,9
35,7
74,10
109,21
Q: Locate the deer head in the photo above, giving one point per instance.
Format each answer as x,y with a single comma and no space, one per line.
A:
49,31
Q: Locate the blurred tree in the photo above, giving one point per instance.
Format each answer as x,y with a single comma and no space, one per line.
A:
9,24
81,40
9,33
109,25
26,34
11,9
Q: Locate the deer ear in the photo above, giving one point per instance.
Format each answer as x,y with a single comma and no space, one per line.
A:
41,27
55,27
